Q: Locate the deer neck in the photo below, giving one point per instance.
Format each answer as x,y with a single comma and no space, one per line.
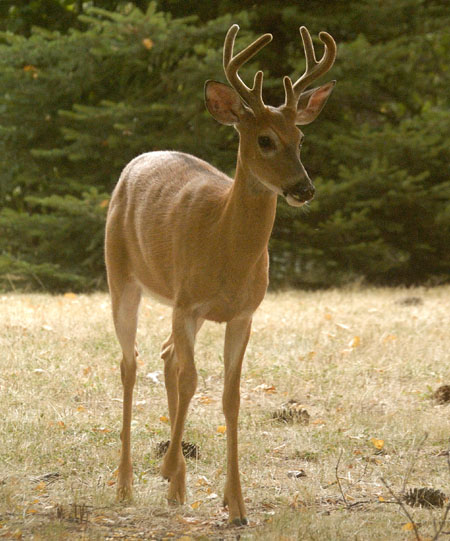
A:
248,217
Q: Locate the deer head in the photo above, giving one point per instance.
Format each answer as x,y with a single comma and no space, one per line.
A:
270,140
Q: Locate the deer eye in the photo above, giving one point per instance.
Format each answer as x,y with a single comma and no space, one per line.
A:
266,143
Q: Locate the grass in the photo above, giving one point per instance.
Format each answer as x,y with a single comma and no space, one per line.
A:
363,362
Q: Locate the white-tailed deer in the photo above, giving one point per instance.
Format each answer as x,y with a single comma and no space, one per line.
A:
197,240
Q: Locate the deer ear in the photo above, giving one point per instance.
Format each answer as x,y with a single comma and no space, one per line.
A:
312,102
223,102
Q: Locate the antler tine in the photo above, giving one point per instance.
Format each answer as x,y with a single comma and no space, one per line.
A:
231,65
314,69
290,98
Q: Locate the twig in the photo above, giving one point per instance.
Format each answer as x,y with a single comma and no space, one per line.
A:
403,508
447,509
442,523
448,456
366,466
413,462
338,480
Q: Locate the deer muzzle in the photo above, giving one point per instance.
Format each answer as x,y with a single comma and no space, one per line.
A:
299,194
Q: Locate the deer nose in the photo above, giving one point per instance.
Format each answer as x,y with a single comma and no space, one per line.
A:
302,192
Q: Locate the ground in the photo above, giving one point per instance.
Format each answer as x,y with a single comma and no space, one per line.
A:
364,364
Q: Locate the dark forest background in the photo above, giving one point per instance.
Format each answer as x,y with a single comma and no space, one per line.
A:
86,86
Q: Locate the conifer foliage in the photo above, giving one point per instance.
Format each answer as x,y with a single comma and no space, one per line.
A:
76,104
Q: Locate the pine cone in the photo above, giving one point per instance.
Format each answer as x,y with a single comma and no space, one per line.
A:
292,412
425,497
442,394
190,450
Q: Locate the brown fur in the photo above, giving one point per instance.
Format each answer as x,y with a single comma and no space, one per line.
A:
197,240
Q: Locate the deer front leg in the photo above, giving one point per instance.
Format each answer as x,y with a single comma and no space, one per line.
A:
171,373
236,339
184,327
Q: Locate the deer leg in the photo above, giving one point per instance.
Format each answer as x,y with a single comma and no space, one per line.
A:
184,327
170,377
125,309
171,373
236,339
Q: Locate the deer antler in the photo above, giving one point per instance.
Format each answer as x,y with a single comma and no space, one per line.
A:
231,64
314,69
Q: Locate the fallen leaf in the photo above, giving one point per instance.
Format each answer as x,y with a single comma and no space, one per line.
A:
265,388
196,504
354,342
164,419
318,422
328,316
102,429
147,43
202,481
70,296
188,520
296,474
61,424
378,444
221,429
205,399
381,499
408,527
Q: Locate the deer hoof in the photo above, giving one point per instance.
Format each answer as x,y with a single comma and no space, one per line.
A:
239,521
124,493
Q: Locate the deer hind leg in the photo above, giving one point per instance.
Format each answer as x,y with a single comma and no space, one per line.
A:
181,382
236,339
125,304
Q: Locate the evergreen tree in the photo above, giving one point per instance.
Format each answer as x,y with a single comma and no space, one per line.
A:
78,102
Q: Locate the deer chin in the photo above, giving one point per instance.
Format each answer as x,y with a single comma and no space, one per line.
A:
294,202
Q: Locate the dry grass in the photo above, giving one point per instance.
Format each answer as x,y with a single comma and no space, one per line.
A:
363,363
